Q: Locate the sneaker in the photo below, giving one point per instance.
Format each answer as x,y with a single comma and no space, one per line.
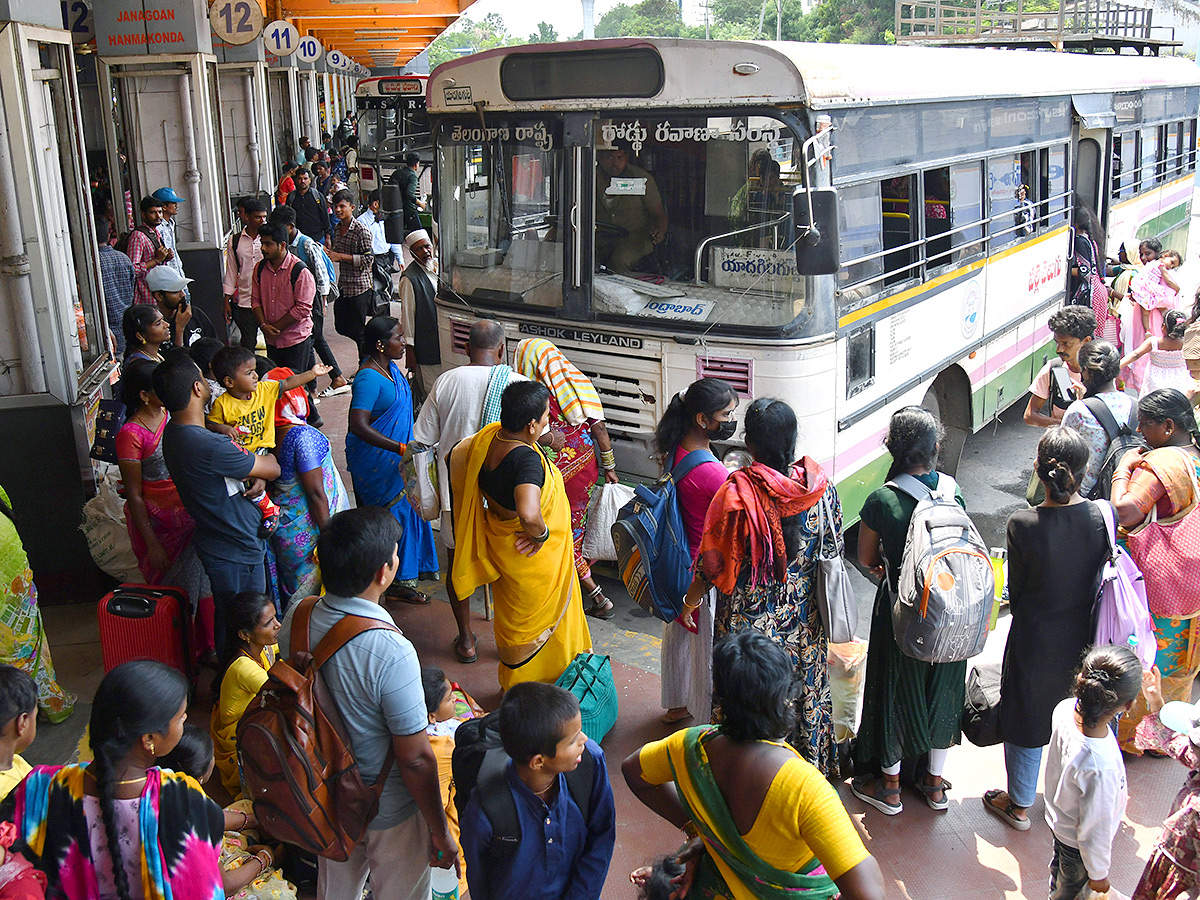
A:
332,391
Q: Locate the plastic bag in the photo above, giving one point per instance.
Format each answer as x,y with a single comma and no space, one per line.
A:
418,468
606,502
1111,894
107,537
847,678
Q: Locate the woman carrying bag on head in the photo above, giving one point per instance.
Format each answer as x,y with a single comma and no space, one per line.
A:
694,418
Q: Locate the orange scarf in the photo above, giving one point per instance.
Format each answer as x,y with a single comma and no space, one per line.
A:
745,522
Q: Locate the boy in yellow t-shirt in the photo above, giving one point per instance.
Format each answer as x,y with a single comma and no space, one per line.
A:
18,712
246,411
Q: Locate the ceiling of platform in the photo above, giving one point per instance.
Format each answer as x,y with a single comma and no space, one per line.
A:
377,35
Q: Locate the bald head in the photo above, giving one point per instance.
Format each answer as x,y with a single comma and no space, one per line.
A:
485,343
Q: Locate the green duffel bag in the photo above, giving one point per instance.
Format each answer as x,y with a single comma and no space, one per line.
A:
590,678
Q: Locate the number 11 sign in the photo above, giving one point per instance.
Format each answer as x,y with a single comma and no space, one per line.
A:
281,37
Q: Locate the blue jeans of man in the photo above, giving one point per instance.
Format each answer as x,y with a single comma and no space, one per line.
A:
229,579
1068,874
1022,764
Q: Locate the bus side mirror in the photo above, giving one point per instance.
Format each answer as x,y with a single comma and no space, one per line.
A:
392,203
815,214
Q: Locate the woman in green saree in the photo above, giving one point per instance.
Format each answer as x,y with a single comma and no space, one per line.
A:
764,823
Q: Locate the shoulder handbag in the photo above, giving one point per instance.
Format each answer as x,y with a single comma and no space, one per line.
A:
418,468
1169,549
981,708
1120,615
109,419
834,592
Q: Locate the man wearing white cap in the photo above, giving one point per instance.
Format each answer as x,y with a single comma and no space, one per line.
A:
418,295
169,290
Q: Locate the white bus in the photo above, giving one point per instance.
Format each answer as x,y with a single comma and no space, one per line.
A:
391,121
939,290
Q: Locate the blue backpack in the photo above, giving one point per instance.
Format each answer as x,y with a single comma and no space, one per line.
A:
307,244
653,555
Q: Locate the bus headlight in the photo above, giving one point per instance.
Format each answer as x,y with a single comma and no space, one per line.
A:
737,458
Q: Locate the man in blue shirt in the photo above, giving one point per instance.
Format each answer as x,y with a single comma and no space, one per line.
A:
560,855
208,470
375,682
117,278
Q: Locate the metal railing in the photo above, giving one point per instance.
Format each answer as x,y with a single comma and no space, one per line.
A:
947,20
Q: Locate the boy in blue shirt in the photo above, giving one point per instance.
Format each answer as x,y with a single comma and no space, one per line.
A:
561,855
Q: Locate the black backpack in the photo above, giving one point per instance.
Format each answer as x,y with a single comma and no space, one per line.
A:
1121,439
297,267
479,761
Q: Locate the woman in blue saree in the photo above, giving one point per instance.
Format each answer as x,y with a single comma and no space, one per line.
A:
381,425
308,491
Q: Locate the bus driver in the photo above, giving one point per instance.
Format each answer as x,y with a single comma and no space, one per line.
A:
630,218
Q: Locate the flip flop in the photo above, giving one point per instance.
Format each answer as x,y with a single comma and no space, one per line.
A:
408,595
1005,815
461,656
668,719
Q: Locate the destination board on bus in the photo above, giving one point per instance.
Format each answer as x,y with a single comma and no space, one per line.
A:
401,87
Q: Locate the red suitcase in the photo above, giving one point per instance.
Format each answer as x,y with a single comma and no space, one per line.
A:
141,621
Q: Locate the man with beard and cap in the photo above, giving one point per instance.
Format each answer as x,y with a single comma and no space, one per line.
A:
418,295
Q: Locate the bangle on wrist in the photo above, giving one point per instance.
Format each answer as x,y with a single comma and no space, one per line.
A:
608,459
545,536
691,831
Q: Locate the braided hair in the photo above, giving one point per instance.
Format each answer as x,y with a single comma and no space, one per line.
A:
914,434
134,699
1062,457
1108,679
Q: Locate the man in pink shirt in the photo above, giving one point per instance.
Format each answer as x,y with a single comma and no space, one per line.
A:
145,248
242,254
281,297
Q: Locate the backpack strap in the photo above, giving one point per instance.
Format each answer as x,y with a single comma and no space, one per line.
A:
694,458
1102,414
914,487
497,802
1109,514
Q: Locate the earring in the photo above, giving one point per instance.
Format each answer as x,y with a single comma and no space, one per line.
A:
152,748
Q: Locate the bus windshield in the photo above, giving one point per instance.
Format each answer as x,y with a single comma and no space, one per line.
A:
690,215
501,210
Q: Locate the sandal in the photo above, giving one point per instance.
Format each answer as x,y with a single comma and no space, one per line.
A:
332,391
407,595
1007,814
668,719
930,789
877,799
460,655
602,607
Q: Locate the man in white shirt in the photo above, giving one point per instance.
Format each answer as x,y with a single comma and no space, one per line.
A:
454,410
168,229
242,254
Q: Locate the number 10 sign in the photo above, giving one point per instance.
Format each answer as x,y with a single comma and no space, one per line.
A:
310,49
282,38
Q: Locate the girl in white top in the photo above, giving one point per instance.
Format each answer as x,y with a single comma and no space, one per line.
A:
1085,775
1167,367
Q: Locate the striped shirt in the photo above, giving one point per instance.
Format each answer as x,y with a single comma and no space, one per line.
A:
354,277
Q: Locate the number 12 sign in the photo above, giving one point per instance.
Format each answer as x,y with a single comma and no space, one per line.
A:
236,21
281,37
310,49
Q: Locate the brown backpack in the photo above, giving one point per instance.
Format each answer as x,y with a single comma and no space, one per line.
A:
295,757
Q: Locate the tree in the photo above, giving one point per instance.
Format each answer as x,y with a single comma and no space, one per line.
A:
471,37
546,34
649,18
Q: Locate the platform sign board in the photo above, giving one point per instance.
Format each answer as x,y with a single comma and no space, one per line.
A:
281,38
236,22
77,19
151,27
309,49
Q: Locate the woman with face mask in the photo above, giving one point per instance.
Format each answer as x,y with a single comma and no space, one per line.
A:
759,551
694,418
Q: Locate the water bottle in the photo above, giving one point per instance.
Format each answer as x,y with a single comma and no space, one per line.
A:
444,883
999,557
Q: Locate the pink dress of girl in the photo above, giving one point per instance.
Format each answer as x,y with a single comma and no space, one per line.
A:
1167,369
1150,293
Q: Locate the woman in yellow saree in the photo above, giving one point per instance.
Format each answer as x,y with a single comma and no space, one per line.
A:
512,530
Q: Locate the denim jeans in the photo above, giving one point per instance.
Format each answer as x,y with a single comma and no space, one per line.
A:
1068,874
229,579
1023,764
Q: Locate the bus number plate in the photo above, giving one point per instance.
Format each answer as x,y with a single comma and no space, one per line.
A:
457,96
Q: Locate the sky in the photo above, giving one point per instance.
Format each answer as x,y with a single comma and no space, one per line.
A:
522,16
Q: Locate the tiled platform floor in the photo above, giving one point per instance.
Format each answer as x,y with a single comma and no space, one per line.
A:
960,854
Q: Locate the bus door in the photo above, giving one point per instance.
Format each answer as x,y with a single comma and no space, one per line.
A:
1093,163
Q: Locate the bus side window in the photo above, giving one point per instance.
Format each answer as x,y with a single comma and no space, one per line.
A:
1027,192
860,233
1189,144
937,217
1054,179
860,360
1004,177
966,209
898,227
1149,157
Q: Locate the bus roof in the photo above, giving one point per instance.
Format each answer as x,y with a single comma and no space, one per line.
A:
821,76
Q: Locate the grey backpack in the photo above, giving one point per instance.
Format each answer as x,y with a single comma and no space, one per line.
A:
946,586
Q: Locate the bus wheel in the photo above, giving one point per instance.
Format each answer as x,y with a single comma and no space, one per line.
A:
949,399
